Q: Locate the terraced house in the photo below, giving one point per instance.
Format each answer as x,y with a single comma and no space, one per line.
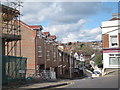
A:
28,44
43,54
40,48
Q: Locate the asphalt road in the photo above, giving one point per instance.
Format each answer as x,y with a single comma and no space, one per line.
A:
108,81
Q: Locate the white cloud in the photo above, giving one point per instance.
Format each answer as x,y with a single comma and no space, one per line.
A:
74,32
95,30
70,38
98,37
81,35
62,12
65,20
67,32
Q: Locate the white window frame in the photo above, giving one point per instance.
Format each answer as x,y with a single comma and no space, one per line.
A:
111,40
114,56
54,56
47,55
39,50
60,56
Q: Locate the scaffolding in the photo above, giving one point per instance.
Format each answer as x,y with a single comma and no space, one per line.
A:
11,33
13,65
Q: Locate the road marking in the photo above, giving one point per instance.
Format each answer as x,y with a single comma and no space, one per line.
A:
108,75
83,79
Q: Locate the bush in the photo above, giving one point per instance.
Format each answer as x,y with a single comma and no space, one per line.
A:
98,60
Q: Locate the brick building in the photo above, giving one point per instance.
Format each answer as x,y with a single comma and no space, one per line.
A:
46,52
28,44
12,62
111,42
43,54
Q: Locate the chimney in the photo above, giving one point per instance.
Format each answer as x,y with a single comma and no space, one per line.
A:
116,15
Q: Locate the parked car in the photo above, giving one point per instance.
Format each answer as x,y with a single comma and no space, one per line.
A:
96,74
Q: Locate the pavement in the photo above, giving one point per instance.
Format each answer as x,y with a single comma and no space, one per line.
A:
110,72
36,85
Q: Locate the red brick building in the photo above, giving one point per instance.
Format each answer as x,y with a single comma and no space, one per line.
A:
41,50
28,43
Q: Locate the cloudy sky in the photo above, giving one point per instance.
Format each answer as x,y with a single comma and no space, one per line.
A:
69,21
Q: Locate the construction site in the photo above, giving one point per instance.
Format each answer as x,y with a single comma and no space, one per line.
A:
13,64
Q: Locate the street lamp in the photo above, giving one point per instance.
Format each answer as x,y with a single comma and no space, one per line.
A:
70,65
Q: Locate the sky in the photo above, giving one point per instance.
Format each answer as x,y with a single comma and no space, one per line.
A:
69,21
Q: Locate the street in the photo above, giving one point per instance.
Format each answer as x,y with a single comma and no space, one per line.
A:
108,81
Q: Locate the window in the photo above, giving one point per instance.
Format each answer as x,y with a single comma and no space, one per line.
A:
54,56
39,51
114,60
111,54
48,55
117,54
113,41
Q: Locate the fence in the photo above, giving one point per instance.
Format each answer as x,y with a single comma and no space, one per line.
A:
13,68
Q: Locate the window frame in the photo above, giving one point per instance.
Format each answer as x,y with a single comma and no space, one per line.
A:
47,55
114,56
111,36
39,50
54,56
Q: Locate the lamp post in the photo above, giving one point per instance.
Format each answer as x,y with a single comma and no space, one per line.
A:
70,65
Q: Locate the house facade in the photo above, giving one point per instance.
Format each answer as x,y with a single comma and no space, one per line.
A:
28,44
44,53
111,42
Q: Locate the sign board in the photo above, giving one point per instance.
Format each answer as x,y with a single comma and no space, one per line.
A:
21,71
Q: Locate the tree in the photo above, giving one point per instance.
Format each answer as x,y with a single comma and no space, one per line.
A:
69,43
87,49
98,60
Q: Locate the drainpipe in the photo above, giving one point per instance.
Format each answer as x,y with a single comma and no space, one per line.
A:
45,55
36,54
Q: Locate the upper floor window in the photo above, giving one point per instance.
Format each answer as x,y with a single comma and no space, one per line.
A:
54,56
48,55
39,51
114,41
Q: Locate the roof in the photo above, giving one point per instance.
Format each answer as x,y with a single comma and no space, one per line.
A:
27,26
46,33
52,37
31,27
114,19
35,26
83,52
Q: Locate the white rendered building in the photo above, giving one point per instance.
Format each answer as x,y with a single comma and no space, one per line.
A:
111,42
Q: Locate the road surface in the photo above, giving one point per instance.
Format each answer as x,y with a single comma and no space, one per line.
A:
108,81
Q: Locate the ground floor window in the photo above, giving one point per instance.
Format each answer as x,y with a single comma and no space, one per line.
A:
114,60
